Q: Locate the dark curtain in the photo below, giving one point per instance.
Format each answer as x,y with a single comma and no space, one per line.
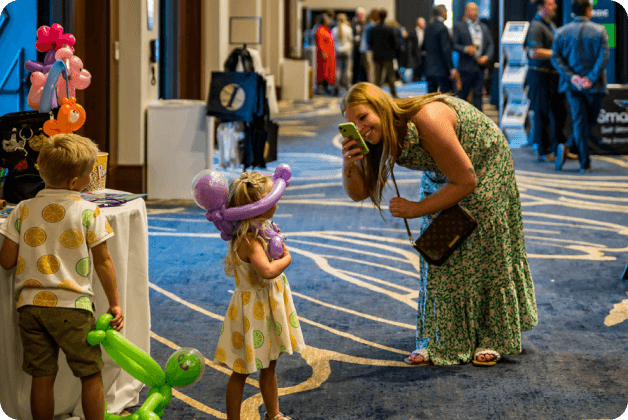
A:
407,12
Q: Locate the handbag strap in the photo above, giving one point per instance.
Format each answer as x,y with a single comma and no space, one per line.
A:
404,219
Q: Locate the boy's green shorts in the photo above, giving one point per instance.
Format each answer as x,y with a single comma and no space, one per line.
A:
45,330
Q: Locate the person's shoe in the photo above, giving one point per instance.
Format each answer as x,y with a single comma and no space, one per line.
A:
585,170
551,157
561,156
571,156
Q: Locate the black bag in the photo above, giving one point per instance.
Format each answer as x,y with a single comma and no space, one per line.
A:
444,235
234,96
22,137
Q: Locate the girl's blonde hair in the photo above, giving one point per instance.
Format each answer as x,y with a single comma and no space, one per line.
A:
249,188
394,115
65,156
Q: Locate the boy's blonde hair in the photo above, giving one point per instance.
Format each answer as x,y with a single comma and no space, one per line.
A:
249,188
65,156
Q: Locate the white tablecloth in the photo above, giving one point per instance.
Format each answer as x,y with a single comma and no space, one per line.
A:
129,252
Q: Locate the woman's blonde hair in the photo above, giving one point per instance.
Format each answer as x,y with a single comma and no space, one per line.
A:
342,21
66,156
249,188
394,115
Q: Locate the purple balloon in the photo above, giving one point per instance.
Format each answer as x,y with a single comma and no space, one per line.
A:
44,67
210,190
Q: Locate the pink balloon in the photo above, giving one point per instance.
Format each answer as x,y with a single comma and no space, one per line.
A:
78,76
38,80
52,37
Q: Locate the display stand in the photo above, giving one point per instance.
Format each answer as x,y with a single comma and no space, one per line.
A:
513,102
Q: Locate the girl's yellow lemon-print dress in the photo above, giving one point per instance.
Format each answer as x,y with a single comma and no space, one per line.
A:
261,322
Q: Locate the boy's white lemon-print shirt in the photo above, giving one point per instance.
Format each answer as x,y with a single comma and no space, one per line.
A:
55,232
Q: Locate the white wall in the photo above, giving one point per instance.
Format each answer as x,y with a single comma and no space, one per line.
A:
134,87
215,43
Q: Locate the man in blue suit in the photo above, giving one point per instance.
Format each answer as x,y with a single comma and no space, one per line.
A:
472,40
580,54
439,67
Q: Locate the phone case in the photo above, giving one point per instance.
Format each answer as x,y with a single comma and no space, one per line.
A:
350,130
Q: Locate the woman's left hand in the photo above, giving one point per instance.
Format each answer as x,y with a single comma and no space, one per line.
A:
400,207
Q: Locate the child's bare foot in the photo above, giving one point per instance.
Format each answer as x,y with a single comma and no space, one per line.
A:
418,357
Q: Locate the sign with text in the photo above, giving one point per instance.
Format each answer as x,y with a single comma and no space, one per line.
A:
610,135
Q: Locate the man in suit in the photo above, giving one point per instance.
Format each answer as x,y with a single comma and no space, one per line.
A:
472,40
546,102
357,24
384,43
439,67
416,53
580,53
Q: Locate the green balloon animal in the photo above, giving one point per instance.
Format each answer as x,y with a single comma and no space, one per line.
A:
184,368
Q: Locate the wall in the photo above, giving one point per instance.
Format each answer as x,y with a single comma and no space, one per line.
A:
215,43
135,90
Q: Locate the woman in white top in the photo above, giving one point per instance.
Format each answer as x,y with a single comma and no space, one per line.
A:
343,35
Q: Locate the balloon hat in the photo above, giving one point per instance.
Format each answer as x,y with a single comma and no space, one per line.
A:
184,368
210,191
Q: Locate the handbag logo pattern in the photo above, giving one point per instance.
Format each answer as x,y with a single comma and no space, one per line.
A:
232,97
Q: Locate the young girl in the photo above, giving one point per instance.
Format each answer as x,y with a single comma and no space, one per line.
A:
261,322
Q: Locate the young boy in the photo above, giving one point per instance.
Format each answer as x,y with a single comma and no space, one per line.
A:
49,237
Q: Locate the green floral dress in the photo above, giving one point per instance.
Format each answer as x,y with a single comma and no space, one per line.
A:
483,295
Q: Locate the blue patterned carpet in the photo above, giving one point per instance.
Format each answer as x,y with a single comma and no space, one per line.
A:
355,289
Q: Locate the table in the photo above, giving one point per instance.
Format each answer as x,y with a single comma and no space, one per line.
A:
129,252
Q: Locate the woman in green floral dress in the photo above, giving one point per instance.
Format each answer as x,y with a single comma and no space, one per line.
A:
475,305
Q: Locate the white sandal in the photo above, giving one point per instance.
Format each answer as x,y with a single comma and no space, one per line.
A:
422,352
277,417
479,351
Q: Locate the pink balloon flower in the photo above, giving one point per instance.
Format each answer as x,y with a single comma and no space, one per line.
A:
52,37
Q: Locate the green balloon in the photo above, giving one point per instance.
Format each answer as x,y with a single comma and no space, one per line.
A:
148,415
154,402
133,360
185,367
96,337
166,391
103,322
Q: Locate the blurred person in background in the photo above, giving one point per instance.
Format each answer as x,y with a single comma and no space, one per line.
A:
357,25
546,102
580,54
472,40
365,46
439,66
325,56
384,42
343,37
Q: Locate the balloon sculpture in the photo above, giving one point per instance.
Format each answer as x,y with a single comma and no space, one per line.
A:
210,191
70,118
58,46
184,368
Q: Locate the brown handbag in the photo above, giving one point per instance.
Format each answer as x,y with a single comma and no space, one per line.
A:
444,235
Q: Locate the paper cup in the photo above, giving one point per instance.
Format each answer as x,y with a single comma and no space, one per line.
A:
99,174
